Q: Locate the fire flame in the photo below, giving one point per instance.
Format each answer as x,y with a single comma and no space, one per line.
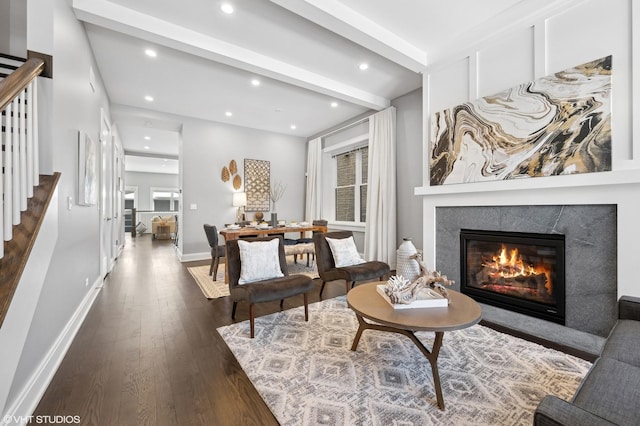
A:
509,264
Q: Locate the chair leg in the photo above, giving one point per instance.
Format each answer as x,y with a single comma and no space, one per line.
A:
308,255
322,288
211,266
295,258
233,310
306,307
281,303
216,263
251,320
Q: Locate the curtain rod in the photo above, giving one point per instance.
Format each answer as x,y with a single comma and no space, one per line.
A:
355,123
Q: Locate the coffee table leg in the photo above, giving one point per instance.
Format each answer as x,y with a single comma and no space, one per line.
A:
432,356
433,360
361,328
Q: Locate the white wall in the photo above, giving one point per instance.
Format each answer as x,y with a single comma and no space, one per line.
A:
207,147
13,27
145,181
409,166
571,34
76,257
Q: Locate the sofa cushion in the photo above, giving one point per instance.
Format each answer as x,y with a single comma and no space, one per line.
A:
623,343
611,391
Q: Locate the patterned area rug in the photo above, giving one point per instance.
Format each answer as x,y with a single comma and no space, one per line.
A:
218,288
307,374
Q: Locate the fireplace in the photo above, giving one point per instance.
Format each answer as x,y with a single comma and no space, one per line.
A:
522,272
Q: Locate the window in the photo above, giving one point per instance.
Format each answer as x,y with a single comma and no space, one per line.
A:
351,186
164,200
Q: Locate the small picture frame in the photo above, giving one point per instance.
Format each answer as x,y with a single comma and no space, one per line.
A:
87,170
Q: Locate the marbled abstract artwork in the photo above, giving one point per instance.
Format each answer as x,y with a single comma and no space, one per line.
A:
555,125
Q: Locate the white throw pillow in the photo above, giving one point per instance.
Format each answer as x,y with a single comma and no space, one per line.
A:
259,260
345,252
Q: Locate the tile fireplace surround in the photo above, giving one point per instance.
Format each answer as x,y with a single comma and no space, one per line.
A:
591,257
597,213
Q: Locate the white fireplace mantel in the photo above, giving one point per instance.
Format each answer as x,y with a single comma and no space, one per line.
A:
619,177
621,188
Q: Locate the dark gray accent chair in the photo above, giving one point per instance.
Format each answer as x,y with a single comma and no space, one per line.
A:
266,290
610,392
217,250
351,274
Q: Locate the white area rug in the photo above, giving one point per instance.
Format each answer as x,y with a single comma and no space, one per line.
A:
218,288
307,374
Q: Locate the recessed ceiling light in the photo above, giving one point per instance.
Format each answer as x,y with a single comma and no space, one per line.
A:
334,104
255,82
363,66
227,8
147,138
293,127
147,147
148,98
228,113
150,53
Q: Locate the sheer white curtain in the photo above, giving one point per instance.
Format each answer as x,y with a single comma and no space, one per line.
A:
380,230
313,205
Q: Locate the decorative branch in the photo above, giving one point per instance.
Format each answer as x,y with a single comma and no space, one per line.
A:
276,190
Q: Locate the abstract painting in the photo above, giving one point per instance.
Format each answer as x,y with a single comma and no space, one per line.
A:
256,185
555,125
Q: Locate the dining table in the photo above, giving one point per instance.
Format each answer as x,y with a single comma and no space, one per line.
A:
234,233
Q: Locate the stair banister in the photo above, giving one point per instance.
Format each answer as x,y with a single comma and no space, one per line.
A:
20,157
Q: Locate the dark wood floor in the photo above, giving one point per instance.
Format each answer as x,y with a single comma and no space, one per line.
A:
148,352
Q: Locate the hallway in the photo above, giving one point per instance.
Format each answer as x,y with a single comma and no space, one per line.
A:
148,352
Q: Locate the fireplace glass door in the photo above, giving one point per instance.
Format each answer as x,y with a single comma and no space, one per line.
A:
522,272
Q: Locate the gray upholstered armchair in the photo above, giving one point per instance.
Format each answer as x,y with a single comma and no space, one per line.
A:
277,288
328,271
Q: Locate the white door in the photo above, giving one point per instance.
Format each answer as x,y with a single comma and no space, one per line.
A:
106,198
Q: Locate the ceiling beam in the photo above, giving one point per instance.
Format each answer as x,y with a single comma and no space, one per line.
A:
128,21
344,21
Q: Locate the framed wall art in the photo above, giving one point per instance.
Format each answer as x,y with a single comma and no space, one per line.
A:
256,185
87,170
556,125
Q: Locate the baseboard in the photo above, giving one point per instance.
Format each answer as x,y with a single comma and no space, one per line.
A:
30,396
194,256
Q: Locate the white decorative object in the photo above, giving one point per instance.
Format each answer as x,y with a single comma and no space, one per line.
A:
406,265
345,252
433,300
259,261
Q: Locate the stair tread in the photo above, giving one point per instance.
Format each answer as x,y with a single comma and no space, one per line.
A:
16,251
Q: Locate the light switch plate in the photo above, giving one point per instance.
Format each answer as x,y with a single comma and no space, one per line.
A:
193,207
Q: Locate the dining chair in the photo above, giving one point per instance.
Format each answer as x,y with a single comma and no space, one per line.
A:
272,279
309,248
328,271
217,250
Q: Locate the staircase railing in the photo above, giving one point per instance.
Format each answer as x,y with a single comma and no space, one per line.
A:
19,137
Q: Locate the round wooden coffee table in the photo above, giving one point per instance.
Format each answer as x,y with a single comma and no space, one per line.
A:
462,312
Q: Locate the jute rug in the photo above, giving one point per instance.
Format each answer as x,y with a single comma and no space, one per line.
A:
218,288
307,374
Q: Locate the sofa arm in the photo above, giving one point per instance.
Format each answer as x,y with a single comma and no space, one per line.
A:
553,411
629,308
